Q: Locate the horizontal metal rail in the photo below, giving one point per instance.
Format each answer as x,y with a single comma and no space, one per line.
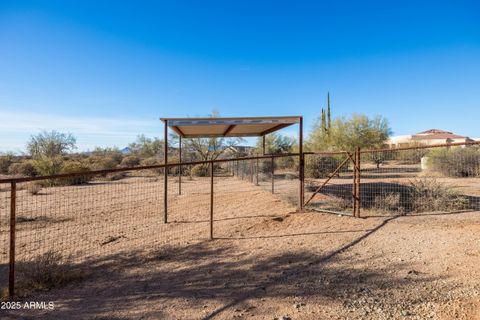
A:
157,166
431,146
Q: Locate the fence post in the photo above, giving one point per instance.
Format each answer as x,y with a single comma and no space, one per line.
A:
13,207
357,182
273,175
211,200
301,168
354,184
165,173
180,166
256,171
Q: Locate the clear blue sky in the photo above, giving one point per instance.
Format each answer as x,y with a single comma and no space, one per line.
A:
107,70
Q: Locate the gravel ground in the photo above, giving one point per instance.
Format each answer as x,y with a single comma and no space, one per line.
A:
269,262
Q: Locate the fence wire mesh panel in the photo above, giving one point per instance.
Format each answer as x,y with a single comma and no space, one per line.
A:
420,180
4,233
82,220
242,205
277,175
329,182
188,206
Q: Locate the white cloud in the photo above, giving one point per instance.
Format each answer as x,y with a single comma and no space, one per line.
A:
17,127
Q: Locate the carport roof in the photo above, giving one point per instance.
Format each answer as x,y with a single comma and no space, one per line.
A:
228,127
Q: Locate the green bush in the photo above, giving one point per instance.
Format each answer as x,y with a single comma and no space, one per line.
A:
455,161
152,161
286,163
427,195
320,166
130,161
5,162
48,166
75,167
413,156
201,170
388,202
102,162
23,168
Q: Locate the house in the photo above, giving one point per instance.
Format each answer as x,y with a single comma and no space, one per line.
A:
436,136
429,137
238,151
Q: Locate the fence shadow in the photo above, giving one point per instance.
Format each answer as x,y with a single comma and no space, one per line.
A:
200,273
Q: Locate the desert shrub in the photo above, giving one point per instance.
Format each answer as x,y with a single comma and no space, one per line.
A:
33,188
412,156
48,166
286,162
388,202
102,163
23,168
45,272
75,167
152,161
455,161
130,161
319,167
426,195
378,158
339,203
5,162
266,165
200,170
113,154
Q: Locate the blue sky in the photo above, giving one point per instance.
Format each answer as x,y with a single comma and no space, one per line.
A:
107,70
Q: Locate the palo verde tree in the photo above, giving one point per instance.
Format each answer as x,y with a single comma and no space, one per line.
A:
51,144
276,143
347,133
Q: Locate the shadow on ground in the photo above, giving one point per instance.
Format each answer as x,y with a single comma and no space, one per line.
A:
214,279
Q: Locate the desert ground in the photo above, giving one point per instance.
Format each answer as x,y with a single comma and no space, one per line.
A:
266,260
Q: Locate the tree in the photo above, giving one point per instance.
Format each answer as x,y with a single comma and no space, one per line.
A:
275,143
147,147
349,133
51,144
209,148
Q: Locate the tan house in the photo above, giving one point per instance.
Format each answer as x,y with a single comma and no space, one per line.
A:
429,137
436,136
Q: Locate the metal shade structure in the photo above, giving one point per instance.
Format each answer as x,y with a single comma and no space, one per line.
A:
188,128
228,127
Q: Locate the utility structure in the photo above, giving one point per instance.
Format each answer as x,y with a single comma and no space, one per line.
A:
213,127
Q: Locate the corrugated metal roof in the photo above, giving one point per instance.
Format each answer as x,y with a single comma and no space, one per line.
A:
228,127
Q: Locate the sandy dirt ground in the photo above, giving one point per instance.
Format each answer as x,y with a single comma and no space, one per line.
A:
266,261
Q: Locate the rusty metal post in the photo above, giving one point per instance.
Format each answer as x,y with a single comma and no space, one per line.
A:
180,166
13,207
165,173
273,175
256,171
211,201
263,145
301,165
251,171
357,182
354,184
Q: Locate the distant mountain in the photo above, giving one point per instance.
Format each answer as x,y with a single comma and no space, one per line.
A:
125,150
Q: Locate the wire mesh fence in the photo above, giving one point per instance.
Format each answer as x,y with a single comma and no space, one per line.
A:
420,180
95,216
90,217
416,179
329,182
